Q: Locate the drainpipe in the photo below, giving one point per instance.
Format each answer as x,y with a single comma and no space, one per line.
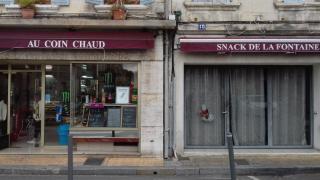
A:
166,53
166,95
167,8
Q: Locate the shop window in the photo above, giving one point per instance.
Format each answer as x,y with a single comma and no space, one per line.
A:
57,101
260,106
3,67
105,95
26,67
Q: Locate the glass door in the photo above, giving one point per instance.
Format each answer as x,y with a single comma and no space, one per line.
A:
25,108
4,138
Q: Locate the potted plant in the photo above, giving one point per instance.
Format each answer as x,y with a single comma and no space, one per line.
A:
27,8
119,11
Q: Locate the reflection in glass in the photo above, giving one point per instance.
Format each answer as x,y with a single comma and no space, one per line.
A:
57,102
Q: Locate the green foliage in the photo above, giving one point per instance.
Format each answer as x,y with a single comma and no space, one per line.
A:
27,3
119,4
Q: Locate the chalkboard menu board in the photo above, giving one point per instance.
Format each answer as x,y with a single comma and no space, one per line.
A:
96,118
129,117
114,117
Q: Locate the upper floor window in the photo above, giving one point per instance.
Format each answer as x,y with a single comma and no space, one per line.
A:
297,5
124,1
293,1
54,2
215,5
214,1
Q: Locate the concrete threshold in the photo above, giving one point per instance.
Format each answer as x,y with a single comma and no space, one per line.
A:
252,152
178,171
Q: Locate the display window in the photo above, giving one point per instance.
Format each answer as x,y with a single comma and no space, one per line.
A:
105,95
260,106
57,103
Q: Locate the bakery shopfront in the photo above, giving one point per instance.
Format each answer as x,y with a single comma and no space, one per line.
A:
262,90
54,81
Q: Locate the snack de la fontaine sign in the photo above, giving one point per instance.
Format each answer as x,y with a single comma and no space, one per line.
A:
250,45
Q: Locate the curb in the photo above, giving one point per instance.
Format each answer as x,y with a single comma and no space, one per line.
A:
169,171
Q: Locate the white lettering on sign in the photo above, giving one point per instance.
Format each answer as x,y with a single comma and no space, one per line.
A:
56,43
89,44
64,44
238,47
34,44
231,47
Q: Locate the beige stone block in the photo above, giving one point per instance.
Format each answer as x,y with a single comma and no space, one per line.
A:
151,142
151,77
151,110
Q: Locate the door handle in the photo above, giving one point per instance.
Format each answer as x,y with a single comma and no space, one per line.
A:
225,112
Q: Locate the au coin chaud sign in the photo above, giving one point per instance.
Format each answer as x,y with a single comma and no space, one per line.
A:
73,44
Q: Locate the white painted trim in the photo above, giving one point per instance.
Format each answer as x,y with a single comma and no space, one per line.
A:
316,106
249,40
183,59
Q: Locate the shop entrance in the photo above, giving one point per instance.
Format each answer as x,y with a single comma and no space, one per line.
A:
25,116
4,138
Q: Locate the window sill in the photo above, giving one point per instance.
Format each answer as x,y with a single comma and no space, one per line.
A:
297,6
132,9
40,9
208,6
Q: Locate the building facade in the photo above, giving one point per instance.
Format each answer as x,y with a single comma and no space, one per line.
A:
250,68
72,67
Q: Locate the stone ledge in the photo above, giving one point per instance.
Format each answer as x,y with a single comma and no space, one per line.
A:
209,6
85,23
297,6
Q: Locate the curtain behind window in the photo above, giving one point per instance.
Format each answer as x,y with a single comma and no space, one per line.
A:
287,105
248,120
264,105
203,87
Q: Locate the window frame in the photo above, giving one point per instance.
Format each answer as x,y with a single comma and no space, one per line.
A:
212,6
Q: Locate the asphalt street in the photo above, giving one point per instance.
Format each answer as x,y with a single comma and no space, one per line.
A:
93,177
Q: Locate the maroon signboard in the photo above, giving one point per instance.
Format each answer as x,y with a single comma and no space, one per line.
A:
76,40
250,45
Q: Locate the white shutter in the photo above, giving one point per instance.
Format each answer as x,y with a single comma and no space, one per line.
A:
61,2
95,1
6,2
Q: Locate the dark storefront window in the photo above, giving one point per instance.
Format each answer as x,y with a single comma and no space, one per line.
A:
261,106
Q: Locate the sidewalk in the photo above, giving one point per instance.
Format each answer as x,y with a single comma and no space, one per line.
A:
191,165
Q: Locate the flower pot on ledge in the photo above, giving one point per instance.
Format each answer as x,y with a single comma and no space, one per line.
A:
27,13
119,14
119,11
